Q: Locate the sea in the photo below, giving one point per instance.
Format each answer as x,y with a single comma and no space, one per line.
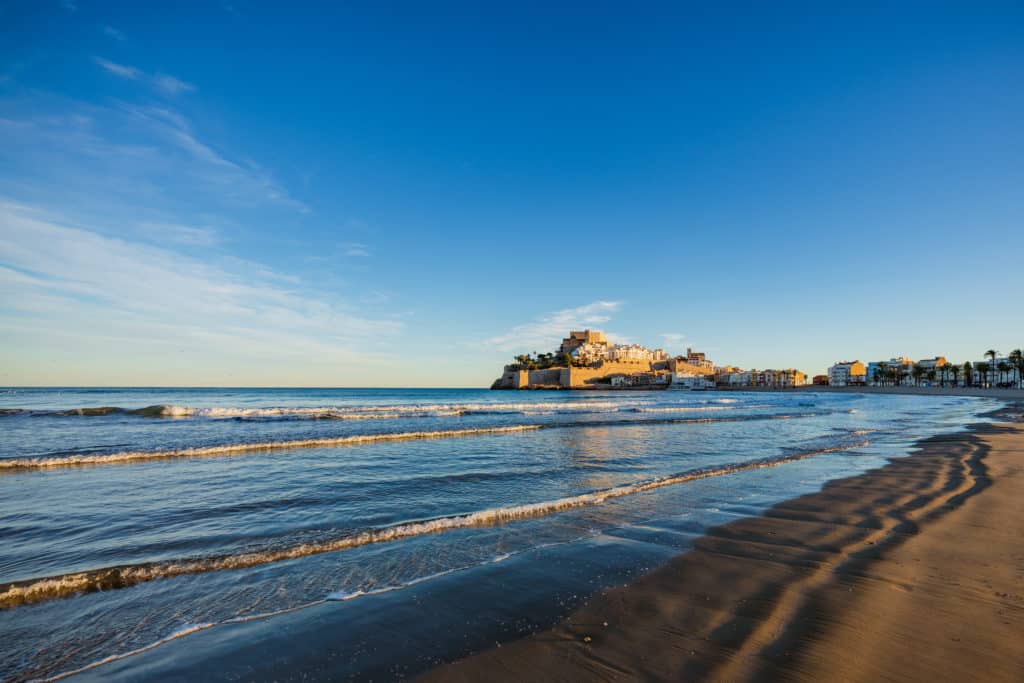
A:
391,529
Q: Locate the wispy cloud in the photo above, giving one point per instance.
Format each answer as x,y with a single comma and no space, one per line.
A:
175,128
120,70
112,32
545,331
355,249
169,85
672,338
172,85
187,235
126,155
59,277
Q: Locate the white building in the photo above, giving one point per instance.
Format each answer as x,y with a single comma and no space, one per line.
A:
630,353
590,353
847,373
1009,376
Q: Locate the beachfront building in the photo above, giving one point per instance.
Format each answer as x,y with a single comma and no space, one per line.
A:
738,378
1000,373
933,363
774,379
783,379
847,373
820,380
892,371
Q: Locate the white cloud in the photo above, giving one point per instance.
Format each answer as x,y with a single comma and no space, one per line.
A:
172,85
544,332
174,233
126,156
175,128
63,281
169,85
355,249
672,338
120,70
113,33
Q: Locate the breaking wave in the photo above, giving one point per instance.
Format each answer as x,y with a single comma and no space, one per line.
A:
692,409
370,412
229,449
78,459
50,588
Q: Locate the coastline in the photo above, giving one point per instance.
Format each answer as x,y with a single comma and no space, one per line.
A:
329,641
974,392
911,571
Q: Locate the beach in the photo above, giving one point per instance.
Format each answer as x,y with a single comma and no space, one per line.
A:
913,571
382,534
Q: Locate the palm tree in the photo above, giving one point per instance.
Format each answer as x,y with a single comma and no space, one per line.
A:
916,372
991,353
982,369
955,370
883,371
968,374
1017,361
1004,368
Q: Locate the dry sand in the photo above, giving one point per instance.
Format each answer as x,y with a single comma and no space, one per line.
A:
911,572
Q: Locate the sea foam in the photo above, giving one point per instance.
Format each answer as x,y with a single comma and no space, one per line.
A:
48,588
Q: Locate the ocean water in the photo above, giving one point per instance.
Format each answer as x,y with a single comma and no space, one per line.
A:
131,517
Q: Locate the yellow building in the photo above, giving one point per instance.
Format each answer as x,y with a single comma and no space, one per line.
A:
578,338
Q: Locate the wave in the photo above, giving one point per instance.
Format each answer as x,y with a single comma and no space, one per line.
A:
366,412
693,409
79,459
337,596
43,589
228,449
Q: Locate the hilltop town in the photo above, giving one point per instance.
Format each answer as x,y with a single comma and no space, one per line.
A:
586,359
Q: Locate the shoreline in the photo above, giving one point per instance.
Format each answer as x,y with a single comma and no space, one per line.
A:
313,640
904,572
973,392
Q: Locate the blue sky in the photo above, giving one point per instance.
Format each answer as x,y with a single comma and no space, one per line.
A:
368,194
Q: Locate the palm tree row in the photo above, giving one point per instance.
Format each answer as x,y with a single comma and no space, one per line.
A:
992,372
987,373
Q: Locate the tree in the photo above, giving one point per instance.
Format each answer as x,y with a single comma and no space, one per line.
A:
883,370
955,371
991,353
982,369
968,374
1004,369
1017,361
917,372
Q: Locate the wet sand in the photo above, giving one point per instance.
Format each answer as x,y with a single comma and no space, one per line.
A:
911,572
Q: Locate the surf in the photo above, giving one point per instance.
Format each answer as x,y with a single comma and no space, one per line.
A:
50,588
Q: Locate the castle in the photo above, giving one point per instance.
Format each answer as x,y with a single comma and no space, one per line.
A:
587,360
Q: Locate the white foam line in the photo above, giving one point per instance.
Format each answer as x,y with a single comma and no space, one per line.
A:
228,449
39,590
331,597
695,409
15,464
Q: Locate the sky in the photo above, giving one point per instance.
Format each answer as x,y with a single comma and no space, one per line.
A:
410,194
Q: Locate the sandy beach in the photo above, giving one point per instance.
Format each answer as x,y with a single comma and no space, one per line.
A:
913,571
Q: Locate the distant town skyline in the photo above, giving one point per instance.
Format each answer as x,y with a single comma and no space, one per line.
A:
250,195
